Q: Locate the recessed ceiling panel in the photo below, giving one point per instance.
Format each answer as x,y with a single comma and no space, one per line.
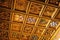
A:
58,15
34,37
54,2
31,19
54,24
49,32
43,21
4,15
5,35
6,3
21,5
4,25
43,37
18,17
14,35
25,37
49,10
28,29
16,26
35,8
38,31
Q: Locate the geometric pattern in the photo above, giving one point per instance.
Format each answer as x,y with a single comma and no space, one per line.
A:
29,19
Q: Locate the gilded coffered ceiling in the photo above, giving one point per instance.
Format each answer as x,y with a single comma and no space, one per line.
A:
29,19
